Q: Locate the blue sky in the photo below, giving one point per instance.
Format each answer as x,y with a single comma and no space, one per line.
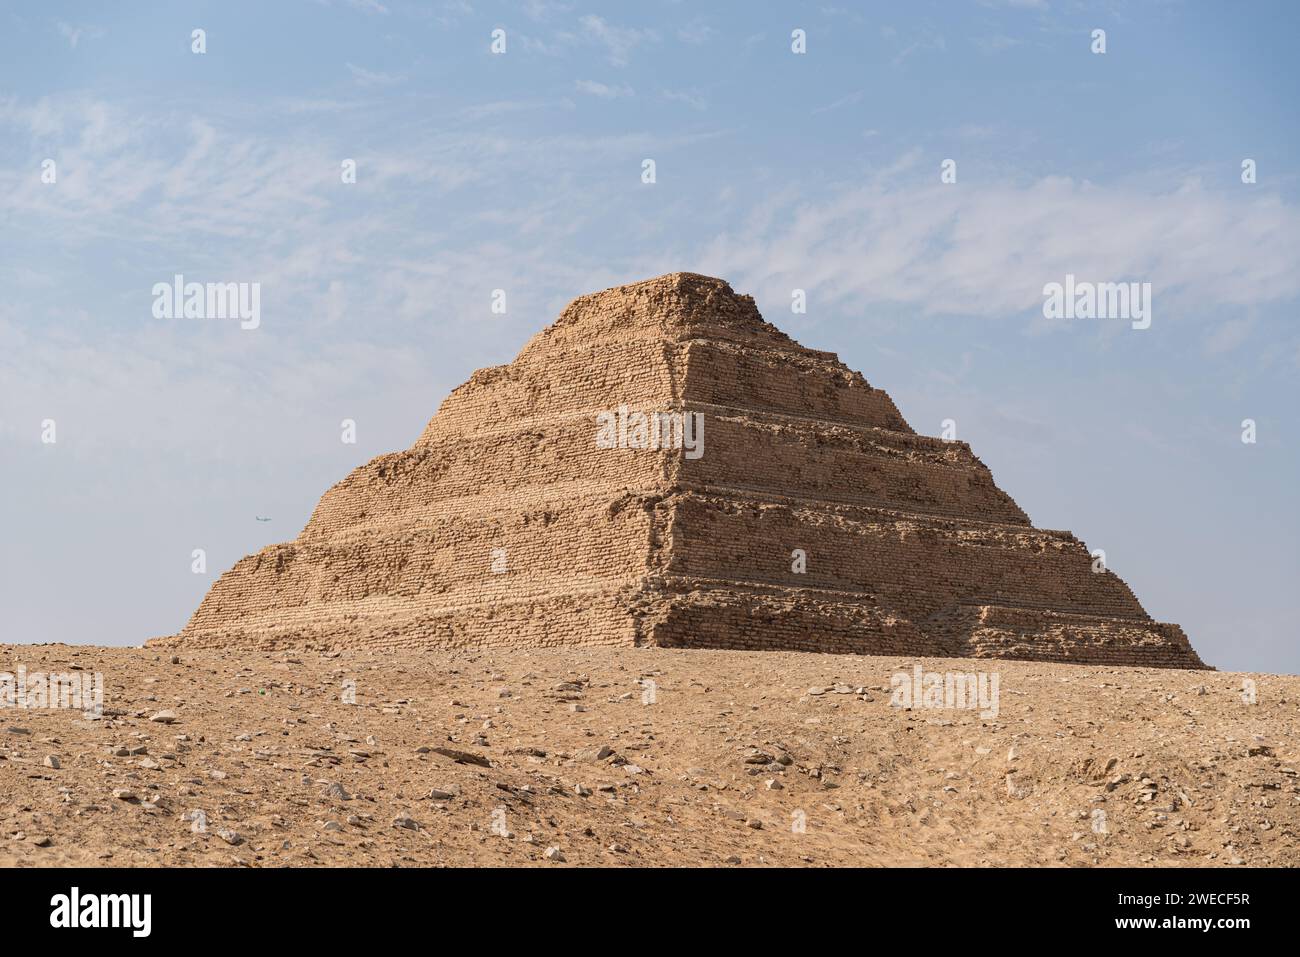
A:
522,171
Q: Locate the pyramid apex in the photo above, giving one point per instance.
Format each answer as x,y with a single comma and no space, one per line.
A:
679,279
685,283
676,303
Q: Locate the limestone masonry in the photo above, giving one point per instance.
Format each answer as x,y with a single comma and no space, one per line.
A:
809,515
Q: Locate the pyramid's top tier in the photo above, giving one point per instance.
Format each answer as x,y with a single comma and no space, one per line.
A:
680,305
674,341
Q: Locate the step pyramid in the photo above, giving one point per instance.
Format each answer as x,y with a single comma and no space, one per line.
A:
787,505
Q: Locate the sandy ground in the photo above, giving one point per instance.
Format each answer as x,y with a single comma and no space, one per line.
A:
640,757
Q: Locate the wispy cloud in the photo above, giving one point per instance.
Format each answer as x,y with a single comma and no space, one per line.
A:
366,77
619,42
696,32
946,249
847,100
603,90
542,10
74,33
998,43
692,99
1018,4
925,40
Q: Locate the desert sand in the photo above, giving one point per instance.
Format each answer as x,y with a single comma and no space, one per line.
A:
639,756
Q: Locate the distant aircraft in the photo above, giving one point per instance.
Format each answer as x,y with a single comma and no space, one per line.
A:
261,519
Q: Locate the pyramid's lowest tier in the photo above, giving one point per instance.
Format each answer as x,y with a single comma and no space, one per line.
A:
805,515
